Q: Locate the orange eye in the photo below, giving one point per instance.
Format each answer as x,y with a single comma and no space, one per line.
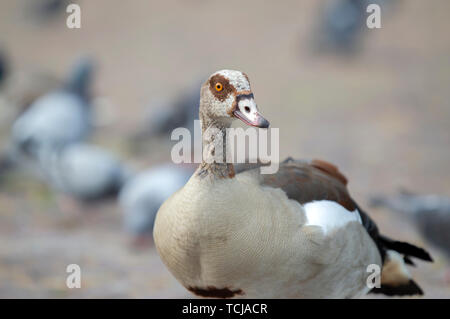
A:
219,87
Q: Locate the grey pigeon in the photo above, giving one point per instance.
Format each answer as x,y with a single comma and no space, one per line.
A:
45,10
58,118
431,214
4,68
84,171
143,194
166,115
343,23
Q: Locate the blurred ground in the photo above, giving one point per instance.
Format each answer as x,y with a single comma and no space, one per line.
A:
383,116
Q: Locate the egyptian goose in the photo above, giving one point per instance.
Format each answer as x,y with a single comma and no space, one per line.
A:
143,194
293,234
58,118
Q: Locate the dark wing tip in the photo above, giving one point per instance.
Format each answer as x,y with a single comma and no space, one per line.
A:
214,292
408,289
406,249
408,261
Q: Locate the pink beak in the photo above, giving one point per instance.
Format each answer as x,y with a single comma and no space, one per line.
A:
247,111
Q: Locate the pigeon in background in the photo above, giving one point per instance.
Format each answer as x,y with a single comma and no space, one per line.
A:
58,118
166,115
143,194
4,68
84,171
45,10
430,213
342,24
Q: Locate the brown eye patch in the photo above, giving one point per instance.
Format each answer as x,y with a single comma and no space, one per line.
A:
220,87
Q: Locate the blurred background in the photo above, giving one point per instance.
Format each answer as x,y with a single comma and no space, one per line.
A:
375,102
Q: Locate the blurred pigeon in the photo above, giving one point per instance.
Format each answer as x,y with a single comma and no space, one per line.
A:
166,115
83,171
142,195
4,68
342,23
44,10
58,118
431,214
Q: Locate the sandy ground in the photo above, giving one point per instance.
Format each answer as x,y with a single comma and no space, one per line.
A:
383,116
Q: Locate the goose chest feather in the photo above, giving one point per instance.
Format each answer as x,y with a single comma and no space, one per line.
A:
233,232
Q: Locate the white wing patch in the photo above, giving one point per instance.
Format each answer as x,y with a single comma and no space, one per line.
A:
329,215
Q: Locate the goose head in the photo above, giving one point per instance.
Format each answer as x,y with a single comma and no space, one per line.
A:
226,96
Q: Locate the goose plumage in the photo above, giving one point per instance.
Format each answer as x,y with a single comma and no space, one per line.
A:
296,233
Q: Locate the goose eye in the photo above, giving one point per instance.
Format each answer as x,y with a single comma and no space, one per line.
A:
219,87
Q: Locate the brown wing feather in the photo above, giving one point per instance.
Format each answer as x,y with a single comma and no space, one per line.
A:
330,169
306,181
